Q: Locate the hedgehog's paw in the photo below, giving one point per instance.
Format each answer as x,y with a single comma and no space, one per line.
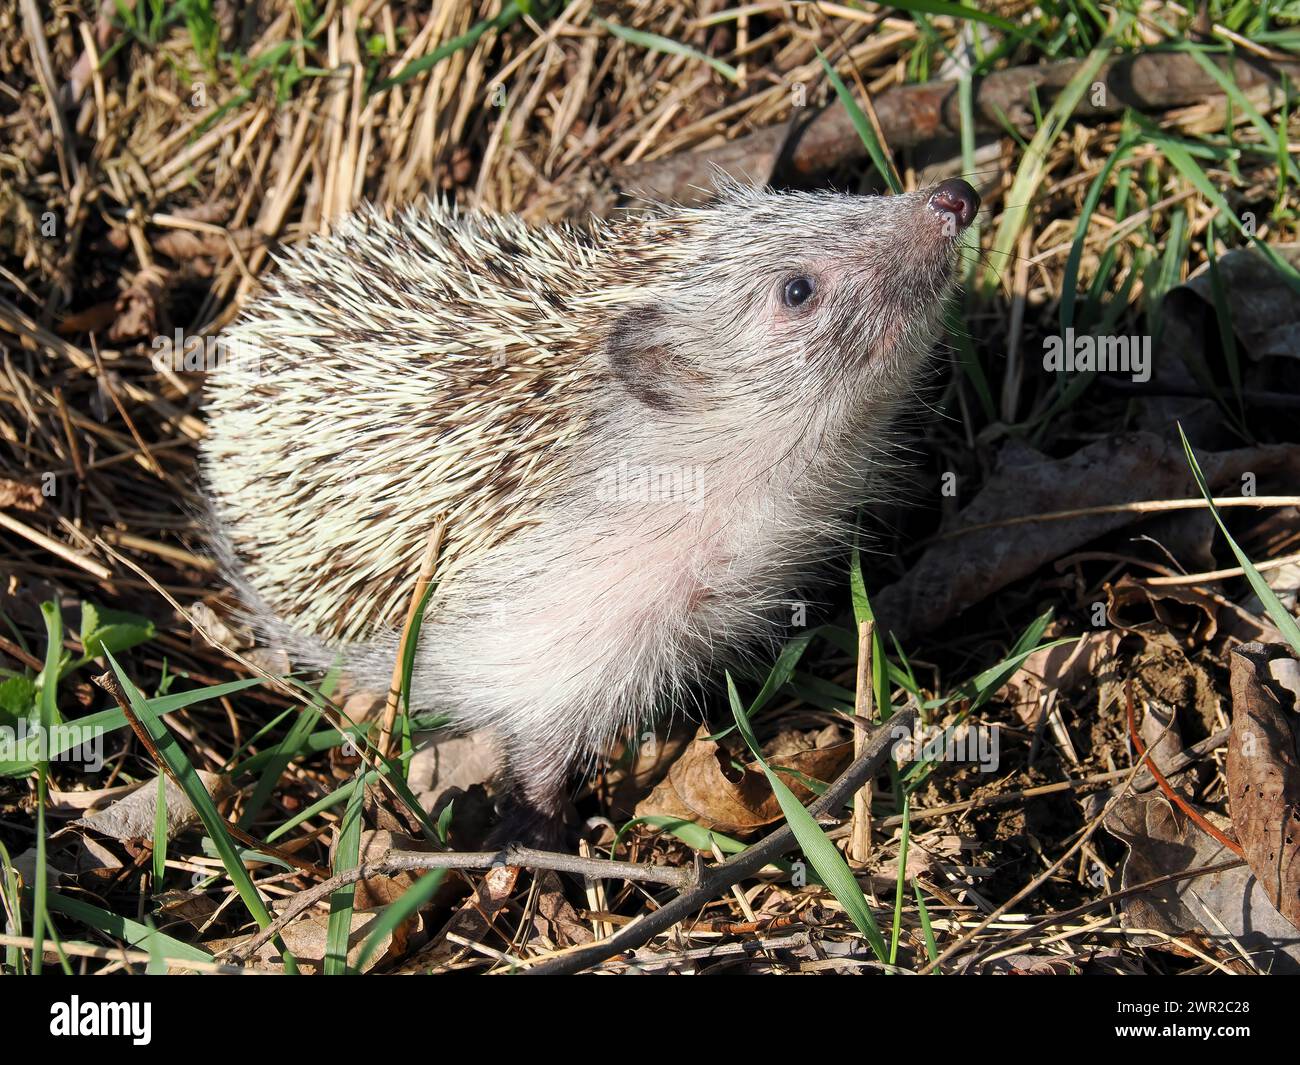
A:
527,826
534,803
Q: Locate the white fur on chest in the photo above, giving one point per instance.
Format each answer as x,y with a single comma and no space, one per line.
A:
612,606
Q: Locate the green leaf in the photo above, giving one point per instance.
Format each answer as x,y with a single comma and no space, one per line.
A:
160,834
106,721
862,612
49,715
112,630
927,930
904,840
347,853
821,853
17,699
694,836
783,670
132,933
280,756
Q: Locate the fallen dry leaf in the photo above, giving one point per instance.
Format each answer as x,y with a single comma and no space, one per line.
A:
555,921
307,937
707,787
956,573
1188,612
1264,774
472,923
1092,658
132,816
1160,841
1263,309
448,763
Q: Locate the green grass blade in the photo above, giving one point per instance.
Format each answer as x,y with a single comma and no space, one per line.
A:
1242,103
862,612
468,39
694,836
1181,157
188,779
281,755
904,839
49,716
132,933
821,853
970,14
1279,614
1070,282
655,43
347,853
160,834
1033,165
326,802
863,126
783,670
103,722
927,930
11,900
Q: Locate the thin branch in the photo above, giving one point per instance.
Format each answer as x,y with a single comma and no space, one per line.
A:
717,879
421,861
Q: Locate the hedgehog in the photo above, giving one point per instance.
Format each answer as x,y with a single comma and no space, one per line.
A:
640,437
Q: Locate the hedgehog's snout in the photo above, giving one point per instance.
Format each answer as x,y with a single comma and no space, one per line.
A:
955,203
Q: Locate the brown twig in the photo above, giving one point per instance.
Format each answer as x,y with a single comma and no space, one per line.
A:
432,547
915,114
419,861
1164,785
864,709
1141,506
718,878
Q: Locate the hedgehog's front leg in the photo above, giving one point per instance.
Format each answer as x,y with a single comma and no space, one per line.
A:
535,797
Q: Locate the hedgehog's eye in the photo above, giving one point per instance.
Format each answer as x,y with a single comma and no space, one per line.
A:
798,291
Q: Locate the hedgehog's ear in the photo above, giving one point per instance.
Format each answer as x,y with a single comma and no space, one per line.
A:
643,358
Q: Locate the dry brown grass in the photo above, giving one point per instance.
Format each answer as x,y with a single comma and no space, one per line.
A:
151,202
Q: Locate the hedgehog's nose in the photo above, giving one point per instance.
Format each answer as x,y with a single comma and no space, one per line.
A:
956,198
